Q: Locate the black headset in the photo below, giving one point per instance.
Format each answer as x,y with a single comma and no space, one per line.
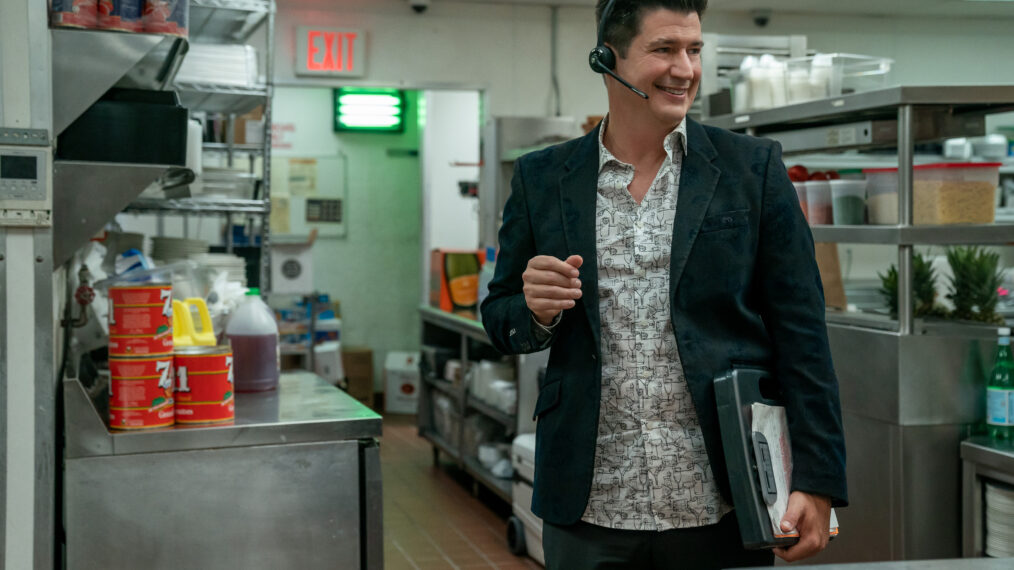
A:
602,59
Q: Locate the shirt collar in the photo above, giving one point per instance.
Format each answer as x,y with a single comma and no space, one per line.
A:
676,139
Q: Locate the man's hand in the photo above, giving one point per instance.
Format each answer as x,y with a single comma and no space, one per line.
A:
551,285
811,515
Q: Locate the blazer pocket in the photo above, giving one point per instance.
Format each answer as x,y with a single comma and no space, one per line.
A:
725,221
549,398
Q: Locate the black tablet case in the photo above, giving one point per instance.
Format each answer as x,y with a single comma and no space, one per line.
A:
735,391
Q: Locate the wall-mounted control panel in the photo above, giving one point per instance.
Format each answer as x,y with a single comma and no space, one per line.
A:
26,190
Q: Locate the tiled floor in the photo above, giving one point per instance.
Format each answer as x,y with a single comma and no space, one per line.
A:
431,519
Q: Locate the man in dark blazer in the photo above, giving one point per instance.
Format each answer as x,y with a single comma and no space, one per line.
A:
651,255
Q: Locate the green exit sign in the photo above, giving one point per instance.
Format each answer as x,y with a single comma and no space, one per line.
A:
366,109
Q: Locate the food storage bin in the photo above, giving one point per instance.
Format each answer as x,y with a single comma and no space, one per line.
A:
942,193
818,202
848,199
801,195
833,74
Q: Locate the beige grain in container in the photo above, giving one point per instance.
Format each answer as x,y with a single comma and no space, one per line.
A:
942,193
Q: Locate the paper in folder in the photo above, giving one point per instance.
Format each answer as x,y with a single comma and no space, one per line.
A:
755,437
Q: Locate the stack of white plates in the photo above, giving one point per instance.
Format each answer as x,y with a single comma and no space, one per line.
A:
167,249
999,520
233,266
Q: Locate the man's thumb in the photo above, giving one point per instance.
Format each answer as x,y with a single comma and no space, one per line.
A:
575,261
792,513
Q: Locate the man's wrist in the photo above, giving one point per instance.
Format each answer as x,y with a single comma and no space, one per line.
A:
552,324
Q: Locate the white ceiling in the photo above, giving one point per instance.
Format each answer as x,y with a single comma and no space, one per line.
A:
939,8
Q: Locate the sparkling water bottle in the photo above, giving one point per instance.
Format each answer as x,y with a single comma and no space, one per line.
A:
1000,390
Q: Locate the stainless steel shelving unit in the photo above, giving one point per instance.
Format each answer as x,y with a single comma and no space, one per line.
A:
447,330
910,389
227,22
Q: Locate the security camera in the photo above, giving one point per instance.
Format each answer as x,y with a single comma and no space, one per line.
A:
419,6
761,17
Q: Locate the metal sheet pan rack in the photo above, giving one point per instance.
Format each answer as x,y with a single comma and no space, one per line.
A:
910,388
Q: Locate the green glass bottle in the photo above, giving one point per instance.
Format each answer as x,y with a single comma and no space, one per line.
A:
1000,390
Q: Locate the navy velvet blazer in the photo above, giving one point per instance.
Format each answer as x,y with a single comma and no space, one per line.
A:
744,289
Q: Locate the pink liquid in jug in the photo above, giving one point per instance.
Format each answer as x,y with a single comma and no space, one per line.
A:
255,362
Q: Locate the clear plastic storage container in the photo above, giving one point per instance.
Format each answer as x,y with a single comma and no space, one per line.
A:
833,74
253,334
942,193
848,199
818,202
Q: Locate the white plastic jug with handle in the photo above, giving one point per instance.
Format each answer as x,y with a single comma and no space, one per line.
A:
253,334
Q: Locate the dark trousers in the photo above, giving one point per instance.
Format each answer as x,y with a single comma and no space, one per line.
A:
584,546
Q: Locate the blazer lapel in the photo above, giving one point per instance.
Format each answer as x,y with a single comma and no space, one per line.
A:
698,180
578,194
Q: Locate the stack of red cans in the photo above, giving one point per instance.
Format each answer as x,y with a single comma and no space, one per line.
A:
168,17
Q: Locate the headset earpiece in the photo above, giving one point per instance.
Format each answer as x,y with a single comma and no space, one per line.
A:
602,57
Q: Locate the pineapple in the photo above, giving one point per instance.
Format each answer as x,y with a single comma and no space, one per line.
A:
973,288
924,293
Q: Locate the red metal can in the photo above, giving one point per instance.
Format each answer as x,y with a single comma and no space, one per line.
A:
141,393
140,320
74,13
204,388
123,15
169,17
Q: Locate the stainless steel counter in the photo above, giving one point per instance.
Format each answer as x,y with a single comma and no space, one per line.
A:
982,460
304,408
295,482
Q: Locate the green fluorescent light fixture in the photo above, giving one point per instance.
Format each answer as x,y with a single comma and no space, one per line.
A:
365,109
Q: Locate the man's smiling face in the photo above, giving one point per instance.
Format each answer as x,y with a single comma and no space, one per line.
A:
664,61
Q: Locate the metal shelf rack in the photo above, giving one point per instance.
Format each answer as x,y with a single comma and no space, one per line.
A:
910,389
227,99
466,336
218,22
200,206
255,149
227,21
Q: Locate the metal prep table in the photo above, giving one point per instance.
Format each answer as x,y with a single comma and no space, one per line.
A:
294,483
952,564
981,458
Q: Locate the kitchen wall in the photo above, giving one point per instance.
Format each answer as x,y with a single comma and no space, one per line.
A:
505,48
375,270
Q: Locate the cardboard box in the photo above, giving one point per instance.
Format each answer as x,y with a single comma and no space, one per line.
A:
357,363
454,280
242,132
401,382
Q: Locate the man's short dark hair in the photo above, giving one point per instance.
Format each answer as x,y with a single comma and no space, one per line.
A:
625,20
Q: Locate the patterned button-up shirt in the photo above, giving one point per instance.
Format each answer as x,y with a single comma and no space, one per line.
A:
651,468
